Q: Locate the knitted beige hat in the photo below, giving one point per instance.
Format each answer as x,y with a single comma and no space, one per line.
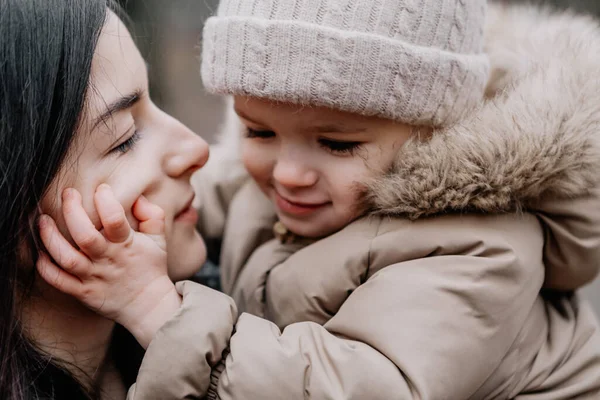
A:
415,61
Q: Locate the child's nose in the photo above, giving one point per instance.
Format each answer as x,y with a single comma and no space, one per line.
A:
293,174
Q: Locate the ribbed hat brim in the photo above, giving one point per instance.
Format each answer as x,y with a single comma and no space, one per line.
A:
303,63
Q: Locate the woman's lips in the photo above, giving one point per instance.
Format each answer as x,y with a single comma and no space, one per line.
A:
297,209
189,214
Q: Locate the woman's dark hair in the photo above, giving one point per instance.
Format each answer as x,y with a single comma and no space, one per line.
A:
46,51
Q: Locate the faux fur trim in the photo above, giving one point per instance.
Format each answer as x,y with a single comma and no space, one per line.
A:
537,135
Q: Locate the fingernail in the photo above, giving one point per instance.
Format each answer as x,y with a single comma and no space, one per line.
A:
103,187
67,193
43,220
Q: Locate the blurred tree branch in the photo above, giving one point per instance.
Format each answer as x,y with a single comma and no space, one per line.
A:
585,6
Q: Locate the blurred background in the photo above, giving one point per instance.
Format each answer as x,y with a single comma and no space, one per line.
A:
169,35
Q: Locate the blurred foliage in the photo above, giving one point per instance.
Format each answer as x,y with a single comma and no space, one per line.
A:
585,6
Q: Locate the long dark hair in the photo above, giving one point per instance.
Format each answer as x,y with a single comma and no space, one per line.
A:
46,51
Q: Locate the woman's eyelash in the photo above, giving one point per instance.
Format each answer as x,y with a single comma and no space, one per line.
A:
252,133
128,144
339,147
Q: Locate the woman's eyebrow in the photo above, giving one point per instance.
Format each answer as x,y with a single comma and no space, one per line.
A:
120,104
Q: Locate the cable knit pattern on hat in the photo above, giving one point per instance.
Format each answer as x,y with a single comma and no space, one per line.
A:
415,61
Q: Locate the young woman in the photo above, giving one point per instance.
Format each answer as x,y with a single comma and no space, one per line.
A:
74,104
439,266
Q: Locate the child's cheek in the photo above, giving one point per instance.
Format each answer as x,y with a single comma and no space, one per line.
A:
259,159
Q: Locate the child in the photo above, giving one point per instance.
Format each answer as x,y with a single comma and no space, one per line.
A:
419,217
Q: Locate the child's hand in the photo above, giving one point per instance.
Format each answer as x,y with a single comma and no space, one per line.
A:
117,272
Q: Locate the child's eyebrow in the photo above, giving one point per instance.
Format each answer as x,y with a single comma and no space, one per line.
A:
334,128
241,114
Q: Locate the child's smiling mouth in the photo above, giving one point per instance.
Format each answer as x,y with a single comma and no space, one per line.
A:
297,208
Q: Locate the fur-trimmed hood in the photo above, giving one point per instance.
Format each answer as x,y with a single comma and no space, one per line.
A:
536,135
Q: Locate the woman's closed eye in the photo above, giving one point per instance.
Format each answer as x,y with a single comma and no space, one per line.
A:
339,147
127,144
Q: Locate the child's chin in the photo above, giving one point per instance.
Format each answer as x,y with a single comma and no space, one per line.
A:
307,229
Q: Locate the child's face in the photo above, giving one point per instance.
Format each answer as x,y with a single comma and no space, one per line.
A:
139,150
310,160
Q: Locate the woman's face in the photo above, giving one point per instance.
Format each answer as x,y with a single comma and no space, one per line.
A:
128,143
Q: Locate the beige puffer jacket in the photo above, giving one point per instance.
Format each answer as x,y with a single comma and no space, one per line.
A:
436,293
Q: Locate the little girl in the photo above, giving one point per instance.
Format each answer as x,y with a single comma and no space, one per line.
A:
432,215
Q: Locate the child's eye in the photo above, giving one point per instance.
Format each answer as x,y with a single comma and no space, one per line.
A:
251,133
128,144
339,147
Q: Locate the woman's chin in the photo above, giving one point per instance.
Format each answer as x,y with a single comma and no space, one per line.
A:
186,256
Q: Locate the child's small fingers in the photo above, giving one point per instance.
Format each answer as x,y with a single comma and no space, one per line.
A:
151,217
152,227
143,210
81,228
69,258
112,215
56,277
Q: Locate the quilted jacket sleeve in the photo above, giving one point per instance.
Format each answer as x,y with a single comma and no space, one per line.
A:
179,360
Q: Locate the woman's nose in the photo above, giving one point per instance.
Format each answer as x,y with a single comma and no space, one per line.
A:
294,174
189,155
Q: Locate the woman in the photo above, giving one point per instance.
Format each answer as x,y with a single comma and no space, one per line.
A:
385,307
74,103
